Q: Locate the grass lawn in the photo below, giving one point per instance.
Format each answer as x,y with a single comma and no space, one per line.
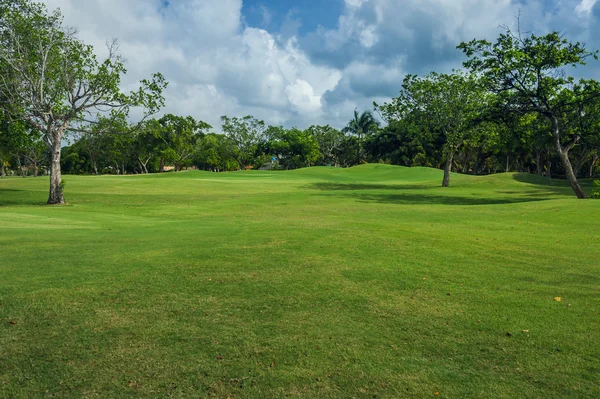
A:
370,282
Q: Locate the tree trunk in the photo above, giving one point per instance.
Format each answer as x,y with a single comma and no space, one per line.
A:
3,169
563,154
538,164
56,190
594,160
447,170
161,168
143,165
35,169
549,165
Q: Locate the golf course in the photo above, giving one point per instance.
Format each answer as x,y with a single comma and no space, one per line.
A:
366,282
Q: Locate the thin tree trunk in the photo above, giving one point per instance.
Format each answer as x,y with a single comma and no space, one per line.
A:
56,194
447,170
549,165
3,169
143,165
580,161
594,160
563,154
161,168
35,169
538,164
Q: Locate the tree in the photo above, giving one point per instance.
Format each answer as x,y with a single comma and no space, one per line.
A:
246,133
361,125
329,141
180,134
215,152
448,102
53,81
13,135
294,148
35,151
146,143
527,74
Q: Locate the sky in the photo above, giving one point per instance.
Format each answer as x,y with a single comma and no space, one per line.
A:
298,63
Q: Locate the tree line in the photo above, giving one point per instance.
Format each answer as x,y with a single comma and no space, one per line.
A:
515,106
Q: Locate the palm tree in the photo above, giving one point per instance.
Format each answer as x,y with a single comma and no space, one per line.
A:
359,126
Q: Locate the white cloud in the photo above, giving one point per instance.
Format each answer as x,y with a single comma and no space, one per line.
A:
585,6
215,64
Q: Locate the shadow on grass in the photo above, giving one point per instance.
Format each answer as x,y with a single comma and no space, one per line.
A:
363,187
558,186
14,197
412,198
405,194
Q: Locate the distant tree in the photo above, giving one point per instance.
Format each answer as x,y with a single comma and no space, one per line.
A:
35,151
53,81
13,136
527,73
215,152
179,135
146,143
329,141
361,125
246,133
294,148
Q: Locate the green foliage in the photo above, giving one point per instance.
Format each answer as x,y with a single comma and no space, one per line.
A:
246,133
596,190
54,82
62,186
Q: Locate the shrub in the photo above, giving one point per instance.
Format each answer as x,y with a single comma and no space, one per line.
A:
596,190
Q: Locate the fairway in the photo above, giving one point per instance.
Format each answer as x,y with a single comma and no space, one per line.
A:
367,282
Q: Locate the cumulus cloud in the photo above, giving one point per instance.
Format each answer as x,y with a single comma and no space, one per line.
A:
215,64
376,42
219,65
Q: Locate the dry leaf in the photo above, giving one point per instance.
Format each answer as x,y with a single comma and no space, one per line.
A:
558,299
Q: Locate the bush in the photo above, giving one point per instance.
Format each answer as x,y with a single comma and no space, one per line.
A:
596,190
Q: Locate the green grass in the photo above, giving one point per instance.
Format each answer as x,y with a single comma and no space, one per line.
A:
370,282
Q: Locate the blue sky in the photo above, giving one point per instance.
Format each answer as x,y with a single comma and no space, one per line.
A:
297,63
306,16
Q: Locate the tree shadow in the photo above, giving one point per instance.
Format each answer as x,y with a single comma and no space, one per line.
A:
414,198
15,197
421,194
324,186
556,185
